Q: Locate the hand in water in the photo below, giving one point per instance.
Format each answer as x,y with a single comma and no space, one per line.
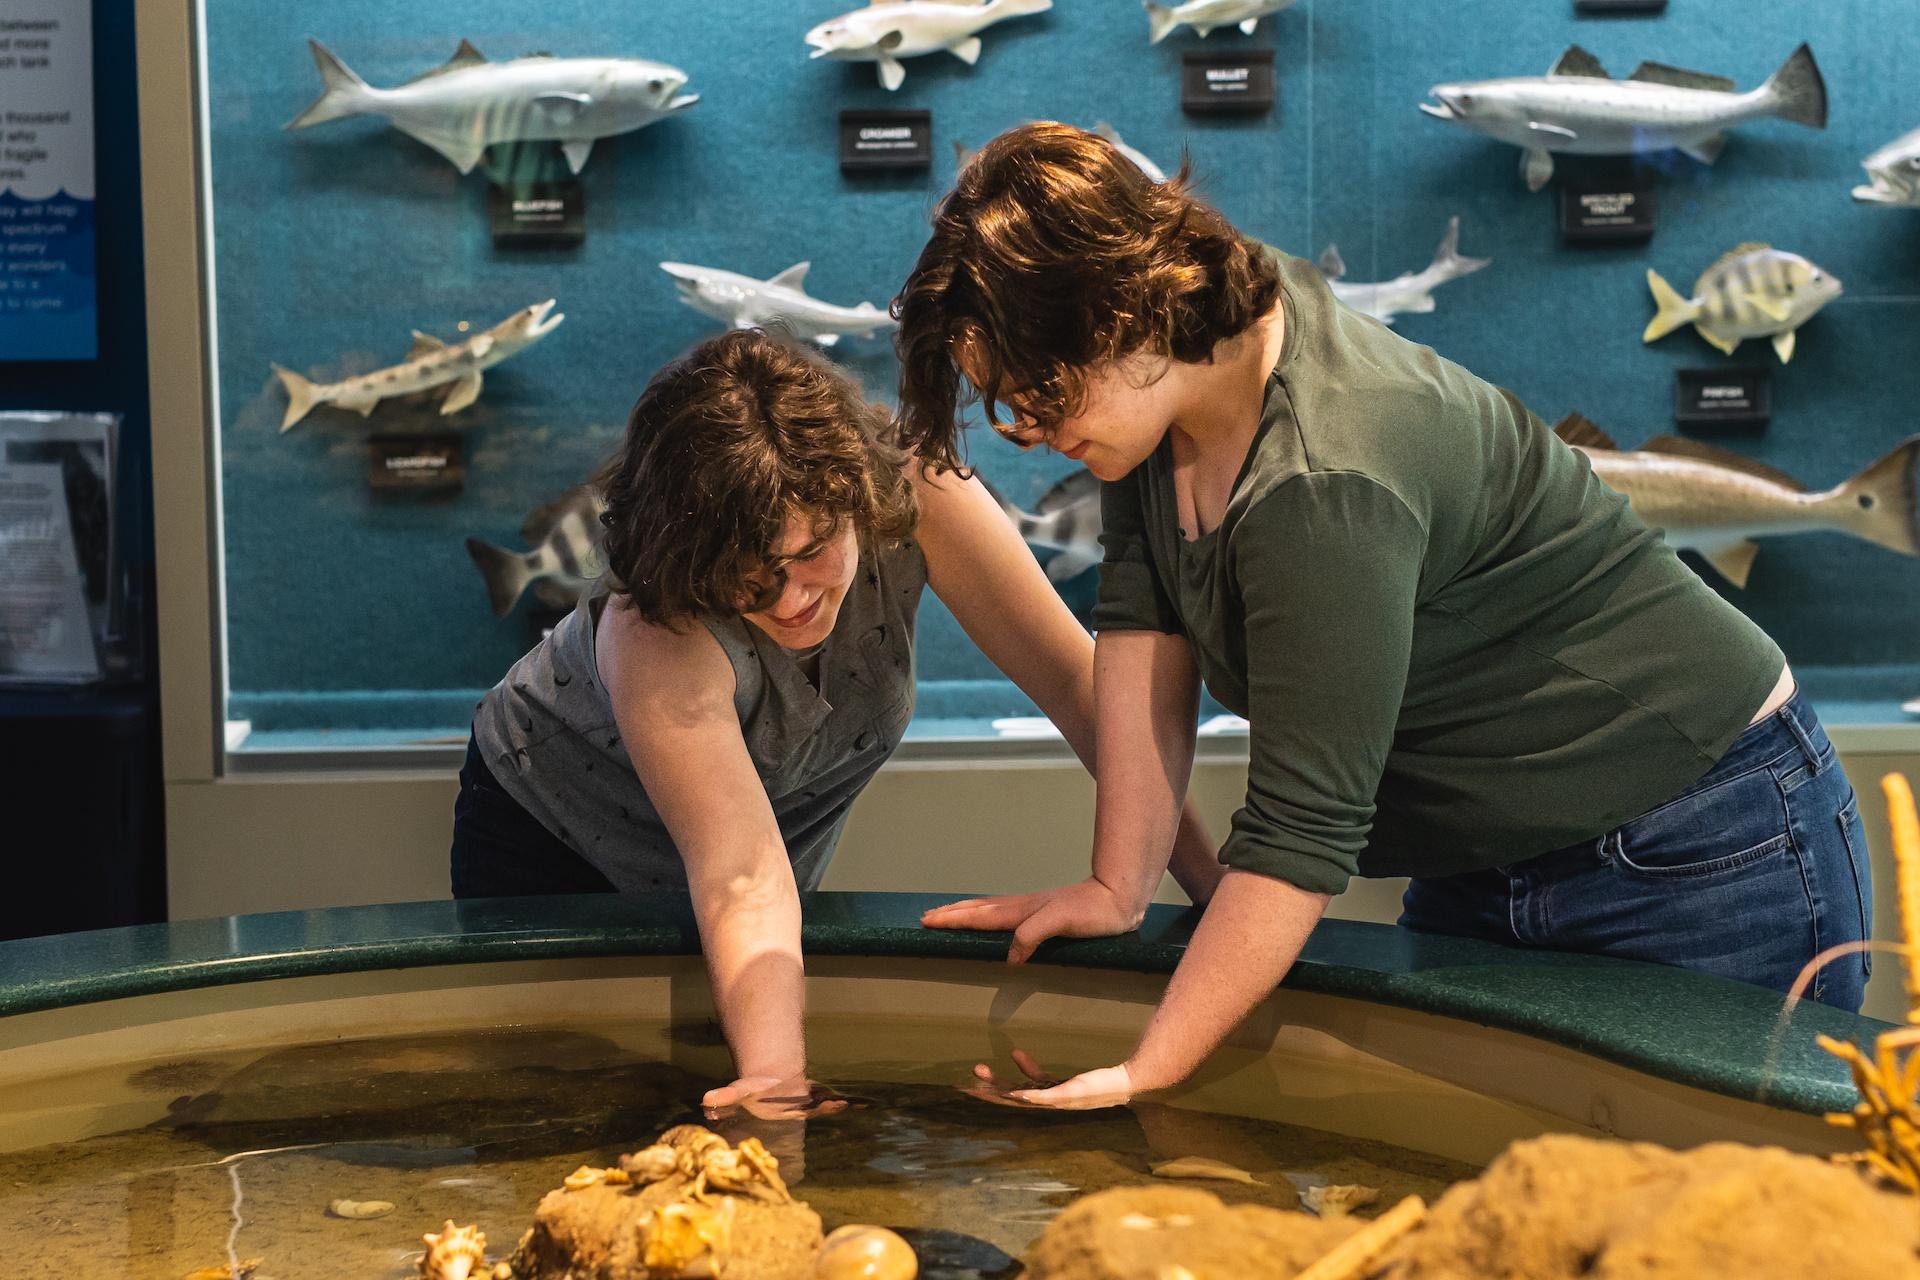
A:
775,1111
772,1098
1101,1087
1085,909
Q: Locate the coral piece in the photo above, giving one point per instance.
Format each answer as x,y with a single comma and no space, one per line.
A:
453,1253
1560,1205
227,1271
689,1205
1150,1233
1887,1117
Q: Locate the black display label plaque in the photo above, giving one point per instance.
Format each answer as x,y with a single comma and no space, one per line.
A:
538,215
425,462
1241,82
1619,8
1731,396
1607,213
885,140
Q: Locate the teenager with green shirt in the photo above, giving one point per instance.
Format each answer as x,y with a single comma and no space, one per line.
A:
1463,658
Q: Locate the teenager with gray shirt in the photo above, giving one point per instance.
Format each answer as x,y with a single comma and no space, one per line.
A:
702,722
1463,658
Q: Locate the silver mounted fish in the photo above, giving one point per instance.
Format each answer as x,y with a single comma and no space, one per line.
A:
430,363
1753,291
1911,706
888,30
963,155
1410,291
566,536
780,301
1066,521
1894,173
467,104
1576,108
1204,15
1716,502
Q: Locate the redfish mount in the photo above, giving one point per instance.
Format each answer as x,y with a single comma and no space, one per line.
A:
1716,502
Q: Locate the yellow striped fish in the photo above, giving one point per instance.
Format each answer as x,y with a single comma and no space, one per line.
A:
1753,291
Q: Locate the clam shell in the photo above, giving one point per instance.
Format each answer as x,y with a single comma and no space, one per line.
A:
360,1208
865,1253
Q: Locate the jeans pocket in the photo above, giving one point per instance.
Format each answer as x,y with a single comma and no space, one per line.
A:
1719,828
1854,836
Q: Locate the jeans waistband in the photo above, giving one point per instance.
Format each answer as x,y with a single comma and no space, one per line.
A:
1793,726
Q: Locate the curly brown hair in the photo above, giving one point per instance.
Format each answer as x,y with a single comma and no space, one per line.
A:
723,446
1054,252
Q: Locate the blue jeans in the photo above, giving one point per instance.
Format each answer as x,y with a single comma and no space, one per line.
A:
1747,874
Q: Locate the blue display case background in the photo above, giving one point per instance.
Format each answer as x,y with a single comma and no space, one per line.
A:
353,616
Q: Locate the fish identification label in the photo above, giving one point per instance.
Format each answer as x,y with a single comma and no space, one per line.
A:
885,140
538,215
1239,83
1614,213
1619,8
427,462
1736,396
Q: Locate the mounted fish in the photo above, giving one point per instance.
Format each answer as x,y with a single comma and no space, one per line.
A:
781,302
1577,109
1410,291
1753,291
963,155
888,30
1204,15
1111,135
566,536
1894,173
1066,521
1716,502
468,104
430,363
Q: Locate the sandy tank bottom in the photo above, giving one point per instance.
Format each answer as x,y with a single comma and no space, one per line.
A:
157,1169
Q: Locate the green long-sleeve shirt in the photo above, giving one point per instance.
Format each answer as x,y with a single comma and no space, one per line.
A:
1457,648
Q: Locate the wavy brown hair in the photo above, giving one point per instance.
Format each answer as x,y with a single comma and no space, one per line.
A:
722,447
1052,253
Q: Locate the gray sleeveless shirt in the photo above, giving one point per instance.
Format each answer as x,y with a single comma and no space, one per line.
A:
547,730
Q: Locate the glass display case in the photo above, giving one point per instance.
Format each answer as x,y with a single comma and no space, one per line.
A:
354,254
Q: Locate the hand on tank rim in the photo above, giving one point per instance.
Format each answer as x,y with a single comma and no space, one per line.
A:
1084,909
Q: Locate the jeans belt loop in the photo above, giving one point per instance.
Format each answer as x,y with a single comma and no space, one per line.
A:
1800,735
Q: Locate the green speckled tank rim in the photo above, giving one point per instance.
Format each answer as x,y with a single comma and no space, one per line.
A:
1704,1032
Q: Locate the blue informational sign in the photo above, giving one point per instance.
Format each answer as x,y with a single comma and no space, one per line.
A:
48,307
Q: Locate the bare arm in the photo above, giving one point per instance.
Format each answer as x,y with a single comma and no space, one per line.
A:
673,700
1147,689
978,565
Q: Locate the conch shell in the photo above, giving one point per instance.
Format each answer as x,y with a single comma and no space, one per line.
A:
453,1253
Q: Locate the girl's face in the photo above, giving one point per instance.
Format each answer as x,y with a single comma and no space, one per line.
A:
819,574
1128,408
